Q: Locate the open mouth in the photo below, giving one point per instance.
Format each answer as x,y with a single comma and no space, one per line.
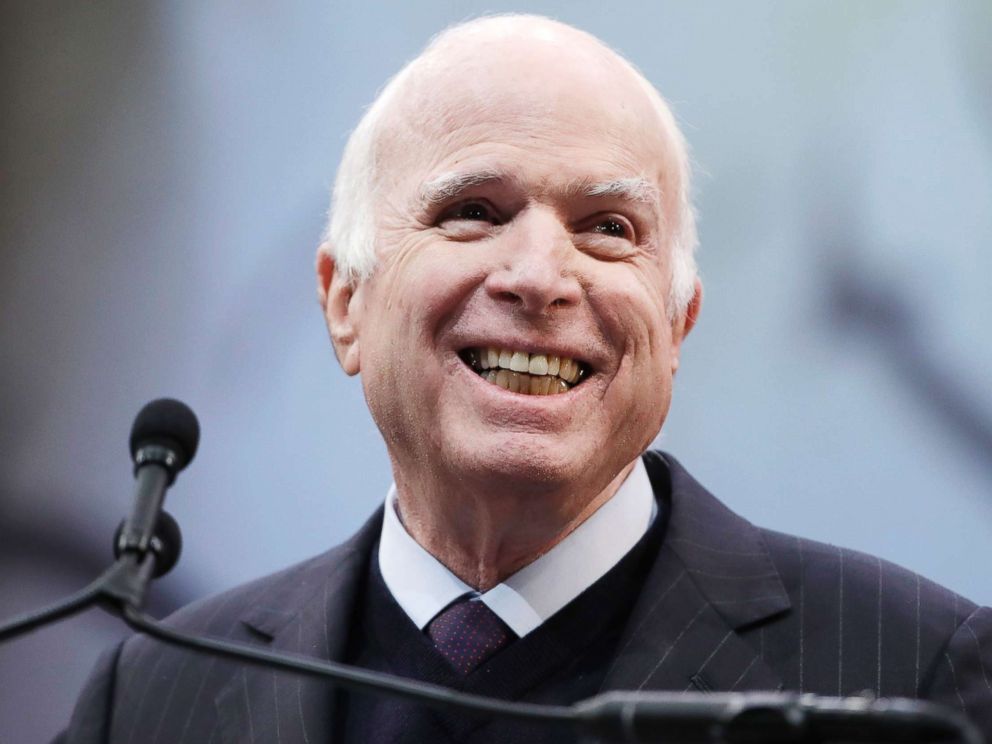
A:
520,372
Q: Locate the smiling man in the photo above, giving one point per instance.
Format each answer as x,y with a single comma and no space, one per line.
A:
509,268
518,335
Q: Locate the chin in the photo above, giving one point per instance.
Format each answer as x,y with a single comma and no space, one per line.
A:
523,461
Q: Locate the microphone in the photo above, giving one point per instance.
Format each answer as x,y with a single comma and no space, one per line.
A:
163,441
768,718
166,544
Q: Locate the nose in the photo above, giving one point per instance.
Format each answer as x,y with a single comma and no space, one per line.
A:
533,269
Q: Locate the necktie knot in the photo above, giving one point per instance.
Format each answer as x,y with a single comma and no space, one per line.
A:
467,633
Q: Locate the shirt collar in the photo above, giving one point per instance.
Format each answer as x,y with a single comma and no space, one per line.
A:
423,586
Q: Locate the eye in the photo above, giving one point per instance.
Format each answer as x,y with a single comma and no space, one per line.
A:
472,211
609,236
612,228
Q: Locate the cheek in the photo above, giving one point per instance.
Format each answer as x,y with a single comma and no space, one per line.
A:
417,293
448,278
633,313
631,309
405,298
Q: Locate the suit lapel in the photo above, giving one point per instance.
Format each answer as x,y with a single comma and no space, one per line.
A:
712,577
309,615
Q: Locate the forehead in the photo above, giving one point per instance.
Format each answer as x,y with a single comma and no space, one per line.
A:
574,108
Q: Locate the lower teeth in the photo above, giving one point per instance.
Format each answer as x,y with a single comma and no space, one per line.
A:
521,382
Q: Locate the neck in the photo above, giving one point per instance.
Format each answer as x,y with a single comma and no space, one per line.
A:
485,534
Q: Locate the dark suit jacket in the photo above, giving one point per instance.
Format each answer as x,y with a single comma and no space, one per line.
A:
727,606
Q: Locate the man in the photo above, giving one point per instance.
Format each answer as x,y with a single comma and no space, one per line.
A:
509,268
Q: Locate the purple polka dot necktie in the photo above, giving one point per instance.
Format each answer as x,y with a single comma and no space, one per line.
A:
467,633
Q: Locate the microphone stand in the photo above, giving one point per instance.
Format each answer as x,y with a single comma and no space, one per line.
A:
610,717
164,439
120,586
619,716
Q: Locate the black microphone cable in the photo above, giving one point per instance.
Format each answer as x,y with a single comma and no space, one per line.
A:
163,441
629,717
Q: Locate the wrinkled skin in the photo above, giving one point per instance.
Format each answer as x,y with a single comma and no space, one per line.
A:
489,479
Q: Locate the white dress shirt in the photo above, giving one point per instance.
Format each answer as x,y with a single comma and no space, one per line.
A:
423,586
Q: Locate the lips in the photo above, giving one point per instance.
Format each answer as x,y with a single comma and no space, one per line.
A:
521,372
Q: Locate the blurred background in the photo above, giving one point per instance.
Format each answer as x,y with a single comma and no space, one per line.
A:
165,173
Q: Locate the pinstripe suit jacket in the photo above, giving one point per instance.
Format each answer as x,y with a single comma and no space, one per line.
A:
727,606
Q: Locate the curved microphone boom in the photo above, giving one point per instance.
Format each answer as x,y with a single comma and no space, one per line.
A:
164,439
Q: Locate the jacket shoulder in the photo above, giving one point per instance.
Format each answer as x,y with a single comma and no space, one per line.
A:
214,614
889,625
145,678
802,562
276,591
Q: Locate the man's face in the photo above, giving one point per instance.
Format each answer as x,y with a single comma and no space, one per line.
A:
521,225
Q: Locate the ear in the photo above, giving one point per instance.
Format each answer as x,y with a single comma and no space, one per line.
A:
342,313
685,322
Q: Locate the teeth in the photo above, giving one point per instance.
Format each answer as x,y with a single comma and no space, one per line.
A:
539,385
538,365
519,362
520,372
568,370
521,382
514,386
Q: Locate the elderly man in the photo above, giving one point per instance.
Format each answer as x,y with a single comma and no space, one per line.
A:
509,267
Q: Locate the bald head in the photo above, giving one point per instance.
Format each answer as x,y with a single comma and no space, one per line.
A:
519,71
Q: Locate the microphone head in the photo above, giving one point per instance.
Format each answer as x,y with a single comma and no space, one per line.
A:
167,423
166,543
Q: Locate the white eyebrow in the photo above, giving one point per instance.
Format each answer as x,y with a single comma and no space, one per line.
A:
632,189
449,185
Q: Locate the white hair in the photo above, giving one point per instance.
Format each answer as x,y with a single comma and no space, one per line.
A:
350,234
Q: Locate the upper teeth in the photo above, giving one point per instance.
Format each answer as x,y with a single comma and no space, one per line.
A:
534,364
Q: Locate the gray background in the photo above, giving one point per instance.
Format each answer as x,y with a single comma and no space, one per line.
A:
165,169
